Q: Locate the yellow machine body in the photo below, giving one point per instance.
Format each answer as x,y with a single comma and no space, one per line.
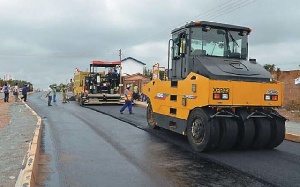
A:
79,82
197,91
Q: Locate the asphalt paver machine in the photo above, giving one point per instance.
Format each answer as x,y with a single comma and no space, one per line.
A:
101,86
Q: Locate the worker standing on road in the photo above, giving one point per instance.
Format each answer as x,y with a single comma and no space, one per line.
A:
54,93
128,100
24,93
64,94
49,95
135,92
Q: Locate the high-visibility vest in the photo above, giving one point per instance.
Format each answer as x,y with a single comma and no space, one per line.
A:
129,95
135,89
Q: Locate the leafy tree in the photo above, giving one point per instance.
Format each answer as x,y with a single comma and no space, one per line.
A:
278,73
269,67
272,68
147,72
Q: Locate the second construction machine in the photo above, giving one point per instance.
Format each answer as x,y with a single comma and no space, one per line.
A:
101,87
214,94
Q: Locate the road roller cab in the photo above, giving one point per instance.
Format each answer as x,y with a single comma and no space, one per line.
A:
213,93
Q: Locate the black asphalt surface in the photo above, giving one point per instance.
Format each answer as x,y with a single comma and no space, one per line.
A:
89,148
280,166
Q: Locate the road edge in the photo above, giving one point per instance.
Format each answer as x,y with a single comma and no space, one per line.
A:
292,137
28,175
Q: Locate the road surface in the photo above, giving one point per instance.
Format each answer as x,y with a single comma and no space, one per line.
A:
85,147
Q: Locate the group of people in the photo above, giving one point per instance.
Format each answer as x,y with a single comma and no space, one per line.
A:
51,94
16,90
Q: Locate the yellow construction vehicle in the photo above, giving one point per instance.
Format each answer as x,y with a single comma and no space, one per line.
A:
98,87
214,94
78,88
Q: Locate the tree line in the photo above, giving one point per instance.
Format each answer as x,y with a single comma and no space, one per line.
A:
21,83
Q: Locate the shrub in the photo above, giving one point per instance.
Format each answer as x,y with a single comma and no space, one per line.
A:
292,105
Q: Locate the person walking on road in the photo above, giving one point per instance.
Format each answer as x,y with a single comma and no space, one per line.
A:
128,100
16,92
49,95
54,93
24,93
5,90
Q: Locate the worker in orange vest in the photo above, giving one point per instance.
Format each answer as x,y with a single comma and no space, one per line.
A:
128,100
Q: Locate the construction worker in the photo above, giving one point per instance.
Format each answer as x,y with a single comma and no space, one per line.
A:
49,95
64,94
54,93
116,89
128,100
136,93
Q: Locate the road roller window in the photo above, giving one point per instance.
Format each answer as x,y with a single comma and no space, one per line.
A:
218,42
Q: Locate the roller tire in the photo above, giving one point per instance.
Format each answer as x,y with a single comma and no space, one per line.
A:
150,118
277,132
246,131
202,133
228,133
262,133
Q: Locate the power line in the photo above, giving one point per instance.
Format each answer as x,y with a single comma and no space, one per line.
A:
212,13
168,29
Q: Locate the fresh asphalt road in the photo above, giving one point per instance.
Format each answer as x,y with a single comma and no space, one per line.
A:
280,167
89,148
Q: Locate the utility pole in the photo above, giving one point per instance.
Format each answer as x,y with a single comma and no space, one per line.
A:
120,55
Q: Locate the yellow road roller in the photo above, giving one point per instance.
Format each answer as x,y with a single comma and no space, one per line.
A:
213,93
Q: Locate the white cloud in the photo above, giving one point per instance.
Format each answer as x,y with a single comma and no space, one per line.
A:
283,55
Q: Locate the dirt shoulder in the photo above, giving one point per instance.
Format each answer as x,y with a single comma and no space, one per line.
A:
4,114
291,115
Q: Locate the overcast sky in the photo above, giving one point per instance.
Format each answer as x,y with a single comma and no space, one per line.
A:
43,41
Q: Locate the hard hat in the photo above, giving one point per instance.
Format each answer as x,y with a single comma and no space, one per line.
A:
128,86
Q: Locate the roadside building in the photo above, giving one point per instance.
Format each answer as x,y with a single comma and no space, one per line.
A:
132,73
132,66
136,79
291,90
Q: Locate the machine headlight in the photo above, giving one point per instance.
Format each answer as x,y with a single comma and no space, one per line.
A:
225,96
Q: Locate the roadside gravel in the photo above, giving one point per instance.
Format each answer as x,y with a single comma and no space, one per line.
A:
15,136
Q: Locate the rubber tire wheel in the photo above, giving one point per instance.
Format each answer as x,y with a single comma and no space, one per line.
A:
150,118
246,131
277,132
228,135
211,131
262,133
